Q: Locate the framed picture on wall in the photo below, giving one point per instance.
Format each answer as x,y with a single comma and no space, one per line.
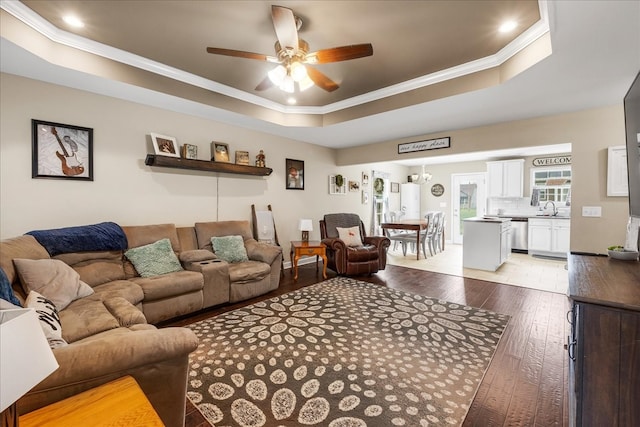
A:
220,152
165,145
61,151
395,187
295,174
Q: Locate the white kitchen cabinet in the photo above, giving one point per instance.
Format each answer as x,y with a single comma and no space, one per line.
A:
549,236
505,178
487,243
410,200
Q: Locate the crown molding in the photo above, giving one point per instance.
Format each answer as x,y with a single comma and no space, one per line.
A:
39,24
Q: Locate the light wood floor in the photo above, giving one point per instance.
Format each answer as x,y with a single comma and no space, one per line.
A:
526,384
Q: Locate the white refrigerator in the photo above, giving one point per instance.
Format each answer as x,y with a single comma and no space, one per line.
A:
410,200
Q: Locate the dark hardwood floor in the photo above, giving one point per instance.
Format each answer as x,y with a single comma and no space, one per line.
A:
526,384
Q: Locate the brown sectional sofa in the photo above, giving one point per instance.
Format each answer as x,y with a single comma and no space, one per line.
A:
111,333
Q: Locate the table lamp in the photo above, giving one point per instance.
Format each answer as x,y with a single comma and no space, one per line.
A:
25,359
305,225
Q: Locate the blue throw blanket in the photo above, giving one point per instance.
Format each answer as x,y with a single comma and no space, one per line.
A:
106,236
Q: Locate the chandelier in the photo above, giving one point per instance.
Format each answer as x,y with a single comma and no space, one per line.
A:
421,178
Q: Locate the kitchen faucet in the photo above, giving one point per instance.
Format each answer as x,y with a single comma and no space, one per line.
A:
555,210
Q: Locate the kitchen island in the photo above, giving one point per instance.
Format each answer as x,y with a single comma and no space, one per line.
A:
486,243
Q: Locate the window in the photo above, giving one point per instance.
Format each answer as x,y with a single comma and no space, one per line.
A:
553,185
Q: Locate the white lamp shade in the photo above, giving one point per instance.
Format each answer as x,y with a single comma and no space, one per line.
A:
305,225
25,356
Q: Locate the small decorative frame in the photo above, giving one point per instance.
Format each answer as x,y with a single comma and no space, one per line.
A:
242,158
189,151
437,190
395,187
335,188
165,145
220,152
295,174
61,151
354,186
365,179
365,197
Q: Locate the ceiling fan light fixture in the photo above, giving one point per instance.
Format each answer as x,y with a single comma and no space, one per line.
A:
287,85
298,71
305,83
277,75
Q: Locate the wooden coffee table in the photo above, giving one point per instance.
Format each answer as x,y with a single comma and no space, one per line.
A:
300,248
117,403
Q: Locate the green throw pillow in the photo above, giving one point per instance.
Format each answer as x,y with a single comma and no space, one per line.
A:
230,248
154,259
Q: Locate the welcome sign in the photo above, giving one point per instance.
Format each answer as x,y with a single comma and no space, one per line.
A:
429,144
552,161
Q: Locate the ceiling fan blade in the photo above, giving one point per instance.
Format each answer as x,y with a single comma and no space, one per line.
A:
265,84
337,54
285,25
321,80
241,54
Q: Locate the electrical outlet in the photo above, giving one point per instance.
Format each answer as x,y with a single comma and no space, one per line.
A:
592,211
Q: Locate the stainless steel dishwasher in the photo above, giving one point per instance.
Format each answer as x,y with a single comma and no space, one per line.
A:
520,234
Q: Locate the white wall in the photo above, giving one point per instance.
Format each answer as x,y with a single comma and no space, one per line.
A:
126,191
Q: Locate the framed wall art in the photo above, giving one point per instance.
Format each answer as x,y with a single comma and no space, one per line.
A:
219,152
395,187
165,145
242,158
190,151
295,174
354,186
61,151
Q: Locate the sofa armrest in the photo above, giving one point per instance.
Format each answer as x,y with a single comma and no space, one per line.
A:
334,244
258,251
196,255
216,288
377,241
158,359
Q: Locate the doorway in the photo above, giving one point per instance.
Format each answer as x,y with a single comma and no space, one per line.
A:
468,200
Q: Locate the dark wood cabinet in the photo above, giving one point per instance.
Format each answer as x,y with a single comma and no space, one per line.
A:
604,346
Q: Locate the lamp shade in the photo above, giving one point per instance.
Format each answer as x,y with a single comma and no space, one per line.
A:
25,356
305,225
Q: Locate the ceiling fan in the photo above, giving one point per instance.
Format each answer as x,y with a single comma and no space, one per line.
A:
292,53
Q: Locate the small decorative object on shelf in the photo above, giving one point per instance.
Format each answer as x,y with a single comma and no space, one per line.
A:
242,157
189,151
260,160
219,152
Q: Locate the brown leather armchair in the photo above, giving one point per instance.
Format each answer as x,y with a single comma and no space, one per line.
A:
352,260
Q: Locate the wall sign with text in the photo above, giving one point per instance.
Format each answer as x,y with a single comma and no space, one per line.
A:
552,161
429,144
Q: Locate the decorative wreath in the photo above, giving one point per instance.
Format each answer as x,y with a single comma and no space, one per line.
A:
378,185
339,180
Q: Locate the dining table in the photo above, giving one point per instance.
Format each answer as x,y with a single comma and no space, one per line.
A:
416,225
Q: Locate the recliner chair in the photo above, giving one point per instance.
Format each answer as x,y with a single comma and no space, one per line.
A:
347,260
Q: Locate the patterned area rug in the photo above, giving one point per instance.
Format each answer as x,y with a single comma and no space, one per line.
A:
342,353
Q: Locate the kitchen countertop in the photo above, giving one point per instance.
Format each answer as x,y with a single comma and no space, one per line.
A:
488,219
528,216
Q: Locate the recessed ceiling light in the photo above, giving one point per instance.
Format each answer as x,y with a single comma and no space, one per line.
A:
74,21
291,101
508,26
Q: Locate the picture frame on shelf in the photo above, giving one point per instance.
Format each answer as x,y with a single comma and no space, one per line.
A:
395,187
189,151
354,186
164,145
295,174
220,152
61,151
242,158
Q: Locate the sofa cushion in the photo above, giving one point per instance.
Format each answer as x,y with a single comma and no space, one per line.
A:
52,278
85,317
19,247
49,318
6,292
154,259
196,255
350,236
170,285
248,271
126,289
125,313
229,248
95,267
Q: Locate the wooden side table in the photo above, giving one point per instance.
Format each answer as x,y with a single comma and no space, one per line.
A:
301,248
117,403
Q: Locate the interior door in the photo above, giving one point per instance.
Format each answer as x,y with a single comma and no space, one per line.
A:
468,200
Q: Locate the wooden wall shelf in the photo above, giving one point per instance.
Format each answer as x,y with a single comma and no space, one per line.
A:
204,165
